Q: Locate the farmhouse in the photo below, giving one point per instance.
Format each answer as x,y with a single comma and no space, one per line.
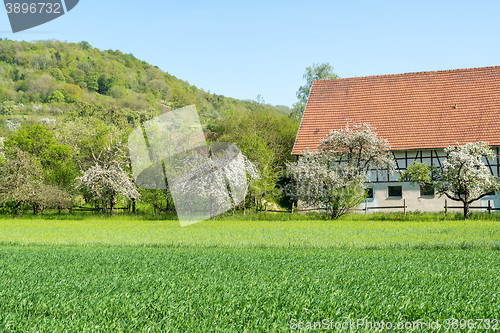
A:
419,114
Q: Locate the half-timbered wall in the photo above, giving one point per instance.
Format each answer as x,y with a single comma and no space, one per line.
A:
383,184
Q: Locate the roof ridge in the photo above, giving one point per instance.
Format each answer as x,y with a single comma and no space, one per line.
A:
412,73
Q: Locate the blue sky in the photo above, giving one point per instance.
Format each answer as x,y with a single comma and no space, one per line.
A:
242,49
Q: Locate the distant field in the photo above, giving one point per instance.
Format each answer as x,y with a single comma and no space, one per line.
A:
351,232
139,289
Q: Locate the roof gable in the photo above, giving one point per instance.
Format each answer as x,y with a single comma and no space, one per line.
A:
412,111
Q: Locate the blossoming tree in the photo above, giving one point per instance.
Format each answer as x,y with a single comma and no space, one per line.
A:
334,178
463,177
106,179
221,178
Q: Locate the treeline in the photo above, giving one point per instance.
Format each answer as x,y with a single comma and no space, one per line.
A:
66,108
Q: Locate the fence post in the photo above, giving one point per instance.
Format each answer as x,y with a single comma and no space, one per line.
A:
265,211
445,207
293,204
404,208
366,206
489,207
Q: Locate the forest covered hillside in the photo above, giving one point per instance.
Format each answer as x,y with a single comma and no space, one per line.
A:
48,79
67,109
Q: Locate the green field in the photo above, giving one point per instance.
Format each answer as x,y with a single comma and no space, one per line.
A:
358,232
131,275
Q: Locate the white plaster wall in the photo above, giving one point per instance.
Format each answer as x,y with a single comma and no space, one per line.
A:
414,201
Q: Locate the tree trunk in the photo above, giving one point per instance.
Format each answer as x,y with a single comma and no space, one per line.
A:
249,204
167,208
133,205
17,209
466,210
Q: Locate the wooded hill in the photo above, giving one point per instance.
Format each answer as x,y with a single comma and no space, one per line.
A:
63,103
53,76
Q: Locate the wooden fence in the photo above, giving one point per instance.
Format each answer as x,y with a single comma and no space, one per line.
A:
77,209
488,208
365,209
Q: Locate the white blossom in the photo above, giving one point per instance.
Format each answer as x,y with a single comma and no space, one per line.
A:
106,179
357,149
13,125
36,107
103,184
334,177
223,177
464,176
47,121
321,184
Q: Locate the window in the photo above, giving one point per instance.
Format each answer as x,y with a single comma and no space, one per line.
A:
426,190
395,191
369,193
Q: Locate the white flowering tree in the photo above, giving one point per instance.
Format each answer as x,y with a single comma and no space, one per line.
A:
13,125
103,184
106,179
223,177
334,178
463,177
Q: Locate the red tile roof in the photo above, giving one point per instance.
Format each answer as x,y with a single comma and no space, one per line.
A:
412,111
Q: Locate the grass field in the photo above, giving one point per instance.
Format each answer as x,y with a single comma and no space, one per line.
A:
350,232
123,274
131,289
